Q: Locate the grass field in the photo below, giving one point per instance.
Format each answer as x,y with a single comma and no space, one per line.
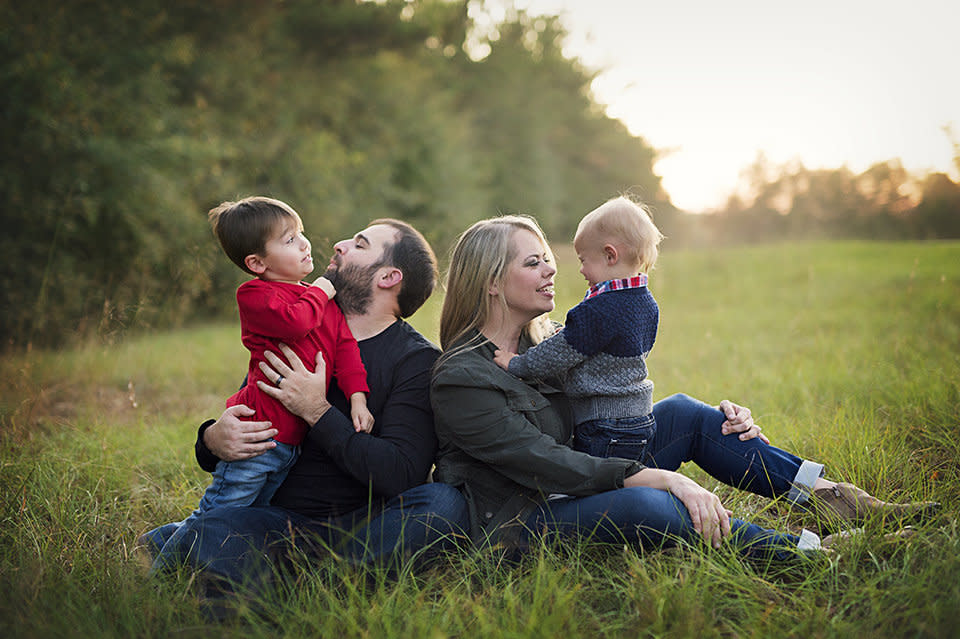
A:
848,353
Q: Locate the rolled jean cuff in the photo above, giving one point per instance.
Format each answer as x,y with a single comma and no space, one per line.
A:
808,540
802,485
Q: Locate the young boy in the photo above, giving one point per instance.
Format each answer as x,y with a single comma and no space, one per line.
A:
265,238
600,353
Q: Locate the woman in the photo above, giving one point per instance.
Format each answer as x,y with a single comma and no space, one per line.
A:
505,443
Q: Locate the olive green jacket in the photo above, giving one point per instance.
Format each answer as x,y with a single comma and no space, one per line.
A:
505,444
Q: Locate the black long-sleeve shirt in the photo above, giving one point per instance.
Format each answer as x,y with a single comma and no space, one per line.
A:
339,469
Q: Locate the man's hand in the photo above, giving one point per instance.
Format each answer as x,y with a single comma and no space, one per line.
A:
231,438
739,420
502,358
302,392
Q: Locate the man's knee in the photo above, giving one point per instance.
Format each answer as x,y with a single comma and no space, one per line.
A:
442,501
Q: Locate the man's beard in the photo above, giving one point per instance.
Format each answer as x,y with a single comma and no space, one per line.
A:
354,286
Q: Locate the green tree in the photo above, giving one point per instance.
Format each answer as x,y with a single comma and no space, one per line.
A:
123,125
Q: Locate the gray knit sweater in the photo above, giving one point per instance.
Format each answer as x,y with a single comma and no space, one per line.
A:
600,355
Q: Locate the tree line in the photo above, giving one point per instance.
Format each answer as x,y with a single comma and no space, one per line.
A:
123,124
790,201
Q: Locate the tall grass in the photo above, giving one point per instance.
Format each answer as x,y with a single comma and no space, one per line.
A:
848,353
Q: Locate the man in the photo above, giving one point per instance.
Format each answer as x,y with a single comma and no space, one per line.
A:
360,495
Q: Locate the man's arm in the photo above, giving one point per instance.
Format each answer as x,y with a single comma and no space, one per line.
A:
399,456
230,438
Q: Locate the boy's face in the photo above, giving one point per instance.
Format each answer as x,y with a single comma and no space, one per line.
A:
594,265
287,254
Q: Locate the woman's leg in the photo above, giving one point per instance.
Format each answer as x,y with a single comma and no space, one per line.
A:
648,518
689,430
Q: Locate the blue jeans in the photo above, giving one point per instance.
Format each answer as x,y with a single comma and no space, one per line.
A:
686,430
244,545
626,437
249,482
689,431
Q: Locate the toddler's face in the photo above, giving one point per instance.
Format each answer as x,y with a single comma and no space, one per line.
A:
593,262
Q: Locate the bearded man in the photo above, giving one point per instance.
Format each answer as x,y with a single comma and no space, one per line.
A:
362,496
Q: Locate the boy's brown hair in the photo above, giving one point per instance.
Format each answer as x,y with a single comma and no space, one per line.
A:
243,227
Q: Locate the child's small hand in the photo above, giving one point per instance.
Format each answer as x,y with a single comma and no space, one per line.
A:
362,420
326,285
360,414
502,358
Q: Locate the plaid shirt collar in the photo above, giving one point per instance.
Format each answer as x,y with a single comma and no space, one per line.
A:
637,281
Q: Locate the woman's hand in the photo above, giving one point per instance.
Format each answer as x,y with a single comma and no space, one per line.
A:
231,438
710,519
708,515
739,420
302,392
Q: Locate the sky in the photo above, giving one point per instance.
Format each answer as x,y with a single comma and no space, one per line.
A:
830,83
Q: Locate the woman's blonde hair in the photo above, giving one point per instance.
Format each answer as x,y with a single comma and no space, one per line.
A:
626,224
479,259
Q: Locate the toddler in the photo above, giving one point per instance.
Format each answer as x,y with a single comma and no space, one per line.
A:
600,354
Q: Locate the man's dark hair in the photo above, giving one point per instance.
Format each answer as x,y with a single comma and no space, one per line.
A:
411,253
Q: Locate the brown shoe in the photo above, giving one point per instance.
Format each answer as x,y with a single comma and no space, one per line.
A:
855,506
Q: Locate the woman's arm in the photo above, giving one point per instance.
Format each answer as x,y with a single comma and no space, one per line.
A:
491,427
481,421
710,519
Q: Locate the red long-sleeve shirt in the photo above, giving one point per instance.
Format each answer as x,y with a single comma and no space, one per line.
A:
304,319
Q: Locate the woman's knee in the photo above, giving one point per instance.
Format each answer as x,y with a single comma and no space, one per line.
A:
649,506
682,408
682,402
654,515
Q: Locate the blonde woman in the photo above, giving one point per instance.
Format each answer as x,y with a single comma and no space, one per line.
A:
505,443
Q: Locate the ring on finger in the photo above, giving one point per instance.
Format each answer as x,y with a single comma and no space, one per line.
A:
279,379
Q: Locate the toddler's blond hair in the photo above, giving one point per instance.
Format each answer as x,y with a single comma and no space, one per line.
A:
625,224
